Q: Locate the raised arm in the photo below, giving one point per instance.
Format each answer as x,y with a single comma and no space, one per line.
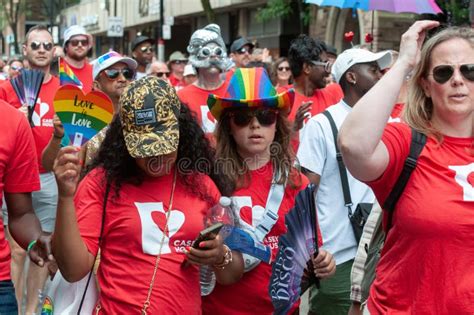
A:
364,153
73,257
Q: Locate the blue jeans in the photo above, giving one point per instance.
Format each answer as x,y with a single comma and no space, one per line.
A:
8,305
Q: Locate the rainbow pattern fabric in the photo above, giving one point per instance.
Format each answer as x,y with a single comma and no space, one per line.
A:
66,75
250,88
47,308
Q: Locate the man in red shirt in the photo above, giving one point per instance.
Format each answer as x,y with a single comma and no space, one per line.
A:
207,53
38,51
77,44
18,178
176,63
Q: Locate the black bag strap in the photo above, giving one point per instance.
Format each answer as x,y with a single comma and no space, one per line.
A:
340,163
106,197
418,141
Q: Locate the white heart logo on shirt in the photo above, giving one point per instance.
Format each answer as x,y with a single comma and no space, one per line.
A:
43,109
463,174
249,215
153,220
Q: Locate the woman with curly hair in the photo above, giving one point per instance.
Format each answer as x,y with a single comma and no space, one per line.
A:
158,167
281,73
254,152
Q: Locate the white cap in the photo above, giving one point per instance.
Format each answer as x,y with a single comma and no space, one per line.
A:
350,57
73,31
189,70
109,59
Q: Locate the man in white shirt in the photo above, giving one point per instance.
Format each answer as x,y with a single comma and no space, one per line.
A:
356,70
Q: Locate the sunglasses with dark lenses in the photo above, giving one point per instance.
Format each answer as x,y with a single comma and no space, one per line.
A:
114,73
35,45
244,50
16,68
327,65
265,117
283,68
443,73
161,74
206,52
179,62
76,42
147,49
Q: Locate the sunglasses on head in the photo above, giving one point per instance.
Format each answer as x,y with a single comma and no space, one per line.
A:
265,117
114,73
283,68
326,64
206,52
161,74
76,42
443,73
147,49
35,45
244,50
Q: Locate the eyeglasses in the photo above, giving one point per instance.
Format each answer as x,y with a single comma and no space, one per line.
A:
265,117
35,45
114,73
161,74
443,73
147,49
327,65
206,52
244,50
179,62
283,68
76,42
16,68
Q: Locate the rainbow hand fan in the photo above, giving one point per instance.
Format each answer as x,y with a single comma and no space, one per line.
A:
292,270
27,86
66,75
82,116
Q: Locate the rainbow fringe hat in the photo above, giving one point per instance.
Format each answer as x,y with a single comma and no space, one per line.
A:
250,88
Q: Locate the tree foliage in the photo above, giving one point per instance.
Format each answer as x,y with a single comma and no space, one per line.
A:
210,15
457,11
275,9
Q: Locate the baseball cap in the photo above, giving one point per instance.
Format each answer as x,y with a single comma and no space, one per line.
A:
109,59
140,40
353,56
239,43
189,70
177,55
149,110
74,30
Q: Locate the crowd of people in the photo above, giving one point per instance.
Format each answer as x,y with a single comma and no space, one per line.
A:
214,122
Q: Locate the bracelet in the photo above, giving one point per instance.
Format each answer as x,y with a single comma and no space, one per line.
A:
57,137
30,246
227,258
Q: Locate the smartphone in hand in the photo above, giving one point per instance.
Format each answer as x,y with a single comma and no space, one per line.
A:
207,234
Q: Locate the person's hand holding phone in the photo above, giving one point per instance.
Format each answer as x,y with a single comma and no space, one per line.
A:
207,249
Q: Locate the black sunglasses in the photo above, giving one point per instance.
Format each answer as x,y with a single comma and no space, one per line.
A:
147,49
35,45
179,62
76,42
244,50
161,74
443,73
114,73
265,117
283,68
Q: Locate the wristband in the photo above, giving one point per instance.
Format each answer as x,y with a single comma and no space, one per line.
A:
227,258
30,246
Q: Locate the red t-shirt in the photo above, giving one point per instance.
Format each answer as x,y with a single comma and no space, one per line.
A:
131,242
250,294
43,115
177,83
18,168
84,75
428,256
196,99
396,115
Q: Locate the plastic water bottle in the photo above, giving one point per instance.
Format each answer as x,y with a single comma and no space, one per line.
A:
222,212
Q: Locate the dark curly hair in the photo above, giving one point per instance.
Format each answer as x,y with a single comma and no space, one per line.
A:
302,50
195,156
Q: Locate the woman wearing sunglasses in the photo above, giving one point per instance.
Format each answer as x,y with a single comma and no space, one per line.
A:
426,262
281,73
253,150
